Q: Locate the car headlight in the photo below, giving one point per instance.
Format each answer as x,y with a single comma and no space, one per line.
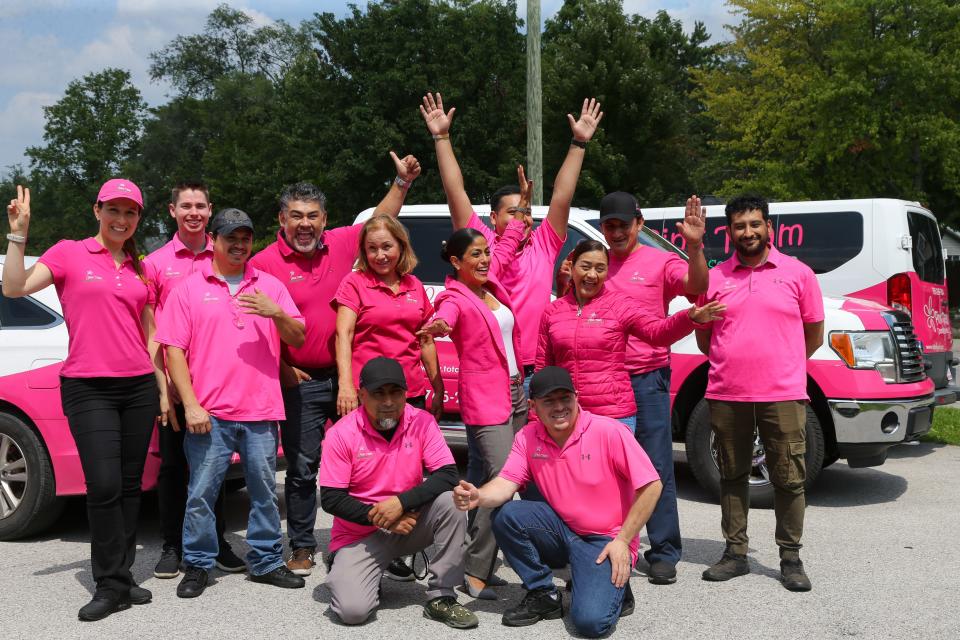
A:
867,350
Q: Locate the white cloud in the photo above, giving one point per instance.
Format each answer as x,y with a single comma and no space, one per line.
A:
21,125
16,8
712,13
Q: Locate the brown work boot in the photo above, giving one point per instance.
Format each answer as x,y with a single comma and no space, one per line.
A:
730,566
792,575
301,562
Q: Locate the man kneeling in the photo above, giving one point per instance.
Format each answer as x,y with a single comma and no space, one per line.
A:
371,480
600,489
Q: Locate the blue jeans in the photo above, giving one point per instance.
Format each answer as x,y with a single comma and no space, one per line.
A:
654,433
534,540
308,407
630,422
208,455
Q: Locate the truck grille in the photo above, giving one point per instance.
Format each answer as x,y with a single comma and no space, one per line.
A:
908,348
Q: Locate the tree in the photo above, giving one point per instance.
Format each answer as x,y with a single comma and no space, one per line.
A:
640,69
840,99
90,134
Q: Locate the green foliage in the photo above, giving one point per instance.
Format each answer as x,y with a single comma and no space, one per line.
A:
90,135
946,426
840,99
650,139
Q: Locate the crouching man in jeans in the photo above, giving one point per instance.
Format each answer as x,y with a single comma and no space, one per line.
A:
372,481
600,489
222,327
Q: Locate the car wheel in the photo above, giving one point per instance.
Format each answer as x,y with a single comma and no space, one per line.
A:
28,496
703,458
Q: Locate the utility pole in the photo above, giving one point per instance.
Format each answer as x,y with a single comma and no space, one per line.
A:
534,102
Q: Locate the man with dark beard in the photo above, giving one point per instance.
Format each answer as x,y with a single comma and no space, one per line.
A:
774,318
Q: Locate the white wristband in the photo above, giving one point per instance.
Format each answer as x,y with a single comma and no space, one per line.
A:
403,184
12,237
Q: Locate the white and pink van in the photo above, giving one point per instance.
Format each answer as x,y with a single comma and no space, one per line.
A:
869,387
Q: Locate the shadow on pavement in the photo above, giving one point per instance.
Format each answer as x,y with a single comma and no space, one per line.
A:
841,486
918,450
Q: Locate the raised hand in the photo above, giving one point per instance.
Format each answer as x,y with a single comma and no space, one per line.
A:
526,188
438,122
408,167
590,116
18,212
708,312
694,223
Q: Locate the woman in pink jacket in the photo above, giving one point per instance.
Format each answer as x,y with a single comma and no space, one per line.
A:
476,312
586,330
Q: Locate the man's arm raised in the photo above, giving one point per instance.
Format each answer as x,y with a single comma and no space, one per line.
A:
408,168
566,183
438,124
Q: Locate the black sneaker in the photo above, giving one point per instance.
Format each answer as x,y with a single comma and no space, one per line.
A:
169,564
661,572
228,561
281,577
101,606
139,595
792,575
729,566
537,605
400,570
194,582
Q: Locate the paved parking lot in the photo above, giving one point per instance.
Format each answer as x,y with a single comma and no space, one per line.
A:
881,549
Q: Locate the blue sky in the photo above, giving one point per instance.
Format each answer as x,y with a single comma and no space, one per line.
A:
48,43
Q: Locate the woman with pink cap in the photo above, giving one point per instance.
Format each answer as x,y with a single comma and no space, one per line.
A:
110,389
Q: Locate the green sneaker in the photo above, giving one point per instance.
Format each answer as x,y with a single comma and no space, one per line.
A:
447,610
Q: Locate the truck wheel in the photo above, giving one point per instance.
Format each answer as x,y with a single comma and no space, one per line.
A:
28,496
703,461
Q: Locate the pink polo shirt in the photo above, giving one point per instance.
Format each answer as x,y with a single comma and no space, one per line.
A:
592,481
762,329
313,282
357,458
166,267
529,281
386,323
653,277
234,357
101,306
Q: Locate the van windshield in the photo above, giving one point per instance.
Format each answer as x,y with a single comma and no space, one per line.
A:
927,250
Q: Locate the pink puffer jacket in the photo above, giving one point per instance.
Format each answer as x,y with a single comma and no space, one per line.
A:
591,344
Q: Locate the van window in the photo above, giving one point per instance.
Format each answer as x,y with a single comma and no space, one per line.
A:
24,313
927,250
822,241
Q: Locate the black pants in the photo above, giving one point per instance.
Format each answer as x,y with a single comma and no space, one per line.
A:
111,420
172,486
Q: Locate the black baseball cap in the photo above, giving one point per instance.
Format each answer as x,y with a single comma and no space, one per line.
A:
548,380
380,371
228,220
619,205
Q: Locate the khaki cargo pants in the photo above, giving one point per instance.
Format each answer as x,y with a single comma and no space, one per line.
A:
782,429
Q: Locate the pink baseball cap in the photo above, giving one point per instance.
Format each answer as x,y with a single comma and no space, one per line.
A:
120,188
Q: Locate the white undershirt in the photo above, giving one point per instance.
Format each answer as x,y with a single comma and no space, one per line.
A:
505,319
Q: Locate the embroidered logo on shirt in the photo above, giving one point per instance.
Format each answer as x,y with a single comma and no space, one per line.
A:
636,277
209,297
170,273
295,277
729,284
584,456
540,454
364,453
594,320
90,275
411,298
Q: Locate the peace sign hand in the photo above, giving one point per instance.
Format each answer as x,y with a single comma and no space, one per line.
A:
438,122
18,212
590,116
